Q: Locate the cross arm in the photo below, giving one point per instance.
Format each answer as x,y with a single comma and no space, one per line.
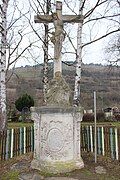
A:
66,18
73,18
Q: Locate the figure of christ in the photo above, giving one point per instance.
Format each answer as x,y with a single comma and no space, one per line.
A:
59,35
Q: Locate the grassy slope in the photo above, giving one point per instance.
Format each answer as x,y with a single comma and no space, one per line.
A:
94,78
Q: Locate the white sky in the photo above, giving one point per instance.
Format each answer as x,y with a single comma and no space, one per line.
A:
91,54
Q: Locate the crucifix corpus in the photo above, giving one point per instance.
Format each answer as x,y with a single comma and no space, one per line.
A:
59,35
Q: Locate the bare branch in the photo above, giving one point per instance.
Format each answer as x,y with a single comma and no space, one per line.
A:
19,55
98,3
97,39
102,17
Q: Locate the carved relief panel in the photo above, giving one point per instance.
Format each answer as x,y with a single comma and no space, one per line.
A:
56,137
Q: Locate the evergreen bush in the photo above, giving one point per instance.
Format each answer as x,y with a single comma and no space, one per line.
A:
24,101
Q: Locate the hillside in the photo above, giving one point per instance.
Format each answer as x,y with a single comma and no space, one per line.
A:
97,78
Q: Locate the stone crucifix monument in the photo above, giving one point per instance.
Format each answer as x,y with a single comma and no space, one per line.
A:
57,125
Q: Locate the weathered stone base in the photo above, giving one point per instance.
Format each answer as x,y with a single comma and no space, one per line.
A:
57,167
57,139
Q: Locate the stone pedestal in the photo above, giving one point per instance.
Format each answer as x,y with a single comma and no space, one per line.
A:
57,139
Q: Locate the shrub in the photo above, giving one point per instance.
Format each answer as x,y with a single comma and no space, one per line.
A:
88,117
117,117
100,116
24,101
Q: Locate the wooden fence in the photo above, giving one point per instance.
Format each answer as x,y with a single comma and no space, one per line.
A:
108,141
18,141
15,142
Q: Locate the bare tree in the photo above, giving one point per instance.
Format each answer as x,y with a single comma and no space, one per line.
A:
90,18
45,48
13,45
76,98
18,34
43,7
3,44
112,51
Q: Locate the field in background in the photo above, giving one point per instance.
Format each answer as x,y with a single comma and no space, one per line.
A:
97,78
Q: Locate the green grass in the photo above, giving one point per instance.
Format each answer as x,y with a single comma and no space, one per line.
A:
116,124
11,175
19,124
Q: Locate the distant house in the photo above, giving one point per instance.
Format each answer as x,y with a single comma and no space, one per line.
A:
108,112
89,111
109,109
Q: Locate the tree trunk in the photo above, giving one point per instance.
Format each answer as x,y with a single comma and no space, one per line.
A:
45,69
76,98
3,29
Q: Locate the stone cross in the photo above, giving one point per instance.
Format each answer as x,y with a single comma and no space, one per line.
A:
58,36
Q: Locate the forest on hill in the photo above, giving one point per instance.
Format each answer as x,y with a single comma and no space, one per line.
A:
102,79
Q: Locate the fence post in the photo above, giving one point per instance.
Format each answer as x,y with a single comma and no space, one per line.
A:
95,127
